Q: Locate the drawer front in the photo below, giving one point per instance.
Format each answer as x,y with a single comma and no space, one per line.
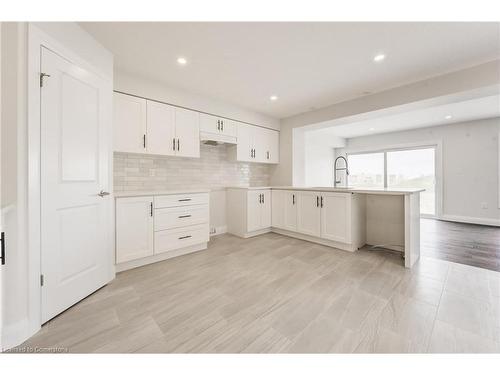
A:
172,239
180,200
175,217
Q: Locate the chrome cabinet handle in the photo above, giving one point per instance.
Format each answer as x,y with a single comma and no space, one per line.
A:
178,145
103,193
218,124
184,237
173,143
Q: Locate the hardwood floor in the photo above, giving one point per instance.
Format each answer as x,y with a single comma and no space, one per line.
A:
471,244
274,294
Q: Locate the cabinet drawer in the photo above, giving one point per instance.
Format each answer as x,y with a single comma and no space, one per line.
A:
172,239
180,200
175,217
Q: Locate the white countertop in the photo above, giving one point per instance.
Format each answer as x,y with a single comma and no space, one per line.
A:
123,194
387,191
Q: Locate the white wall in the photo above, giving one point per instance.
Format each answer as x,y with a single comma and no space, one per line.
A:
319,157
19,320
478,77
470,159
132,84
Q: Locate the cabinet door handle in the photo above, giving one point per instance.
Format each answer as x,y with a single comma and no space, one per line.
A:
184,200
222,125
263,198
317,201
173,143
218,124
144,140
184,216
293,198
260,198
151,209
178,145
321,201
184,237
2,251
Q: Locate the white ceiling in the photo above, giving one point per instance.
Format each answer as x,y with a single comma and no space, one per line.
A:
307,65
479,108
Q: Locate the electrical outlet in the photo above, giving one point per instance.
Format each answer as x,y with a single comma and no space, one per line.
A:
484,205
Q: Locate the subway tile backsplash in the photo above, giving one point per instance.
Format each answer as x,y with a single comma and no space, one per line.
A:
212,170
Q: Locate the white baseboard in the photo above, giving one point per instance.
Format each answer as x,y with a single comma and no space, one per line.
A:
15,334
219,230
471,220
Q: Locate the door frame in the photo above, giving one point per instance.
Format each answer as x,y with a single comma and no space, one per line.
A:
36,40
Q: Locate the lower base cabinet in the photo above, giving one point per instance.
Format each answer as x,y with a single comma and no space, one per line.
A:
331,218
249,211
149,227
134,228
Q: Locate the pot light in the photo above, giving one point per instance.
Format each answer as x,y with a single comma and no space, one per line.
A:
273,98
447,117
380,57
181,61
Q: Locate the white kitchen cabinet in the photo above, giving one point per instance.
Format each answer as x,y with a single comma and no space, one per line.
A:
217,125
336,216
134,228
308,213
248,211
270,139
149,127
150,229
160,136
290,210
129,123
278,208
187,133
284,209
256,144
258,210
245,145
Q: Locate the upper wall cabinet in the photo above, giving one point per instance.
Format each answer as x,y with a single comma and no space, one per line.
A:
256,144
129,123
217,125
148,127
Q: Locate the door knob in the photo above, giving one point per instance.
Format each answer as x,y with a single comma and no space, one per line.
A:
103,193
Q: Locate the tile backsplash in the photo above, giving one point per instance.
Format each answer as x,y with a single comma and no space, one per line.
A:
213,170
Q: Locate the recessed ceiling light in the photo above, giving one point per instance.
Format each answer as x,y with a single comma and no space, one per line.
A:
181,61
380,57
447,117
273,98
371,129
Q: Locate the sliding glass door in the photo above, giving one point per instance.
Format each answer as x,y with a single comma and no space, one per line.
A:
398,168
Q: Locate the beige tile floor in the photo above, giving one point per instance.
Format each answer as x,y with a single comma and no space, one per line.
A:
275,294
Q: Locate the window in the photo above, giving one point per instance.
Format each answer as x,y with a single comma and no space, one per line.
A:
405,168
366,170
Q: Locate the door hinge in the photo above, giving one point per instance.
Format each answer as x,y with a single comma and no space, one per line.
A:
41,78
41,280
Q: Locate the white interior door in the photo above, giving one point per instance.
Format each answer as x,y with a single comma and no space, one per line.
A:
187,131
76,230
160,129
